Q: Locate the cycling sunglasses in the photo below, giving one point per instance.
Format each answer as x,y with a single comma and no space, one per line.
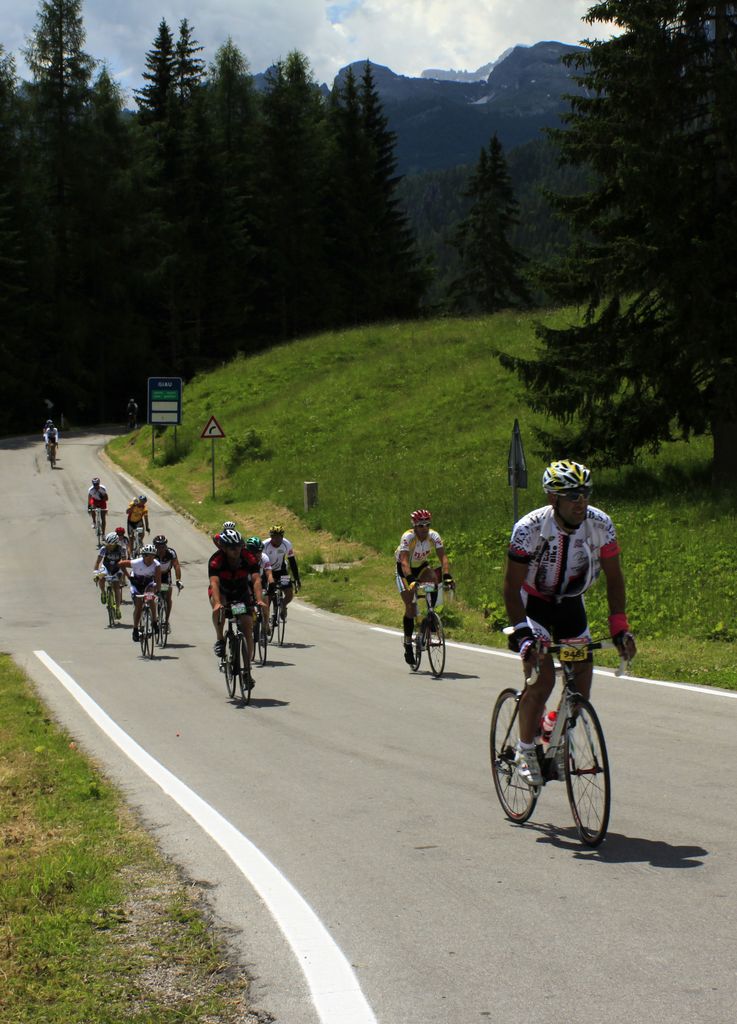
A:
423,522
574,495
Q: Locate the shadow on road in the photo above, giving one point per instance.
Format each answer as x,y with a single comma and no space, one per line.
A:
265,702
621,849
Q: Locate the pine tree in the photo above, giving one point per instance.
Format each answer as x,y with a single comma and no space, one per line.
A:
395,280
654,257
154,99
292,197
58,96
491,269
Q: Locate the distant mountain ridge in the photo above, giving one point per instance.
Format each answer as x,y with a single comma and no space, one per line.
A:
442,122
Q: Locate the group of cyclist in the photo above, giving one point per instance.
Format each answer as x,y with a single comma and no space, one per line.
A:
555,554
144,567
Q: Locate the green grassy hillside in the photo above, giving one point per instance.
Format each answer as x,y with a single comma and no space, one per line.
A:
387,418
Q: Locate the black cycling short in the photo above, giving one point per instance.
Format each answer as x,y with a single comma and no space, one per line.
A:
414,571
564,619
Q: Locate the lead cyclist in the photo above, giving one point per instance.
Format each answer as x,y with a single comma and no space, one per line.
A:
555,554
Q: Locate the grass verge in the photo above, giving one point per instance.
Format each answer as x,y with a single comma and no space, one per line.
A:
94,924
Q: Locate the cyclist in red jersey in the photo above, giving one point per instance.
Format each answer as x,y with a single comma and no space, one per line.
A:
235,576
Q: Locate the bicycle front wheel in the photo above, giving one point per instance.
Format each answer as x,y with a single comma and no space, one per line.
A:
516,797
261,637
146,633
112,618
244,669
161,613
281,623
230,664
435,644
587,774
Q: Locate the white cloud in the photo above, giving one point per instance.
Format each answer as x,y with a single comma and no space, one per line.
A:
405,35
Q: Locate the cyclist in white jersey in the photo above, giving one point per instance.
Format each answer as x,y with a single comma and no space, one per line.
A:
412,565
555,554
145,576
279,551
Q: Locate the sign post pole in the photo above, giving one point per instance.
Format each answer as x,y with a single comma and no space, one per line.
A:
164,404
212,429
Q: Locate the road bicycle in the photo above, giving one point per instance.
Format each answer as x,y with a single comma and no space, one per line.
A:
575,750
108,595
260,634
51,454
146,634
235,662
137,541
97,525
277,615
430,636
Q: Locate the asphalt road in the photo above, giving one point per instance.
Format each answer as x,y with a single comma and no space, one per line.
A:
368,790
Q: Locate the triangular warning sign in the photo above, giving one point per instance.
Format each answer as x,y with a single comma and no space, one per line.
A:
212,429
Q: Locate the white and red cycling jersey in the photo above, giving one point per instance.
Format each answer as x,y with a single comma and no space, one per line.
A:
419,550
265,563
562,564
97,497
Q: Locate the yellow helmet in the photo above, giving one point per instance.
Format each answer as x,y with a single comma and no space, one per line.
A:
565,475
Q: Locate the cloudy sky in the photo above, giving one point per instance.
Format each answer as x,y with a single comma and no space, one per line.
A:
405,35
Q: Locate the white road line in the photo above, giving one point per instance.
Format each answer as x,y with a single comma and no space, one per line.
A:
710,691
336,994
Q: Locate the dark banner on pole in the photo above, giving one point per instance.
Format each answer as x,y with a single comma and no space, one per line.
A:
516,464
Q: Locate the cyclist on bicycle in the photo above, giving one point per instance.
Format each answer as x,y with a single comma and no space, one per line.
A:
137,515
235,577
109,558
279,551
413,566
256,545
51,437
555,554
145,578
132,414
123,540
97,502
167,558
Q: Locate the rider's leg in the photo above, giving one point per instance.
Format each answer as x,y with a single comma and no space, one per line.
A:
533,700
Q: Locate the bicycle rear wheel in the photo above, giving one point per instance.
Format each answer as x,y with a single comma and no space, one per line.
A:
244,669
229,664
516,797
435,643
587,774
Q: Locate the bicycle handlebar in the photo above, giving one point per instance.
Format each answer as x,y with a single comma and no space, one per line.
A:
544,648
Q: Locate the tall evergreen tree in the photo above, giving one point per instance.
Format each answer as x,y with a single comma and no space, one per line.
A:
654,257
395,280
491,268
58,97
349,223
292,194
189,69
154,99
